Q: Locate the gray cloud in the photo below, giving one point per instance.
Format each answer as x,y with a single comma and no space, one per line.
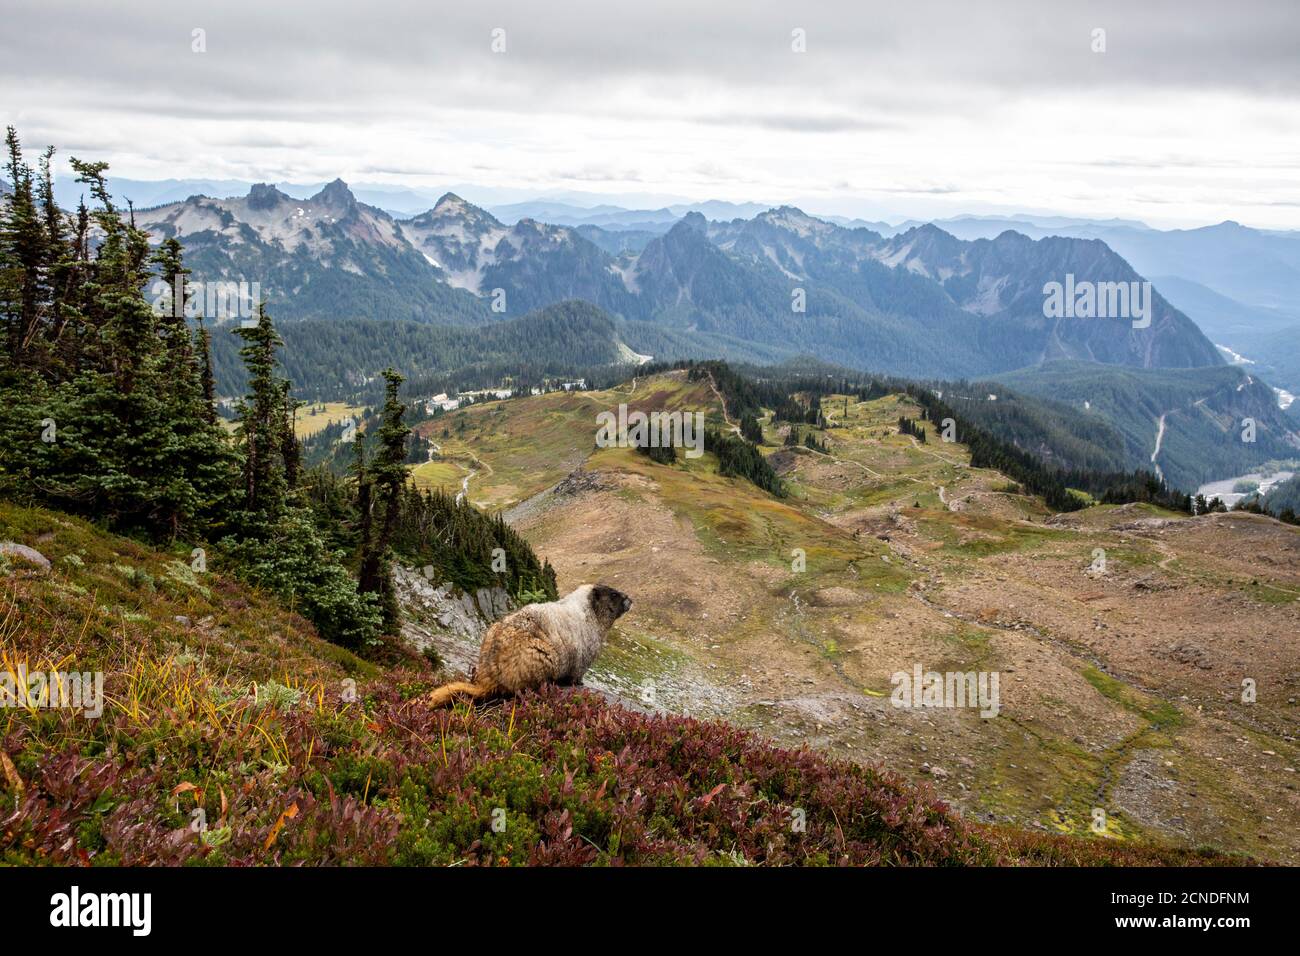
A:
598,92
335,57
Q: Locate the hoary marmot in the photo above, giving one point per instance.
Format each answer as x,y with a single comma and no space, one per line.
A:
540,643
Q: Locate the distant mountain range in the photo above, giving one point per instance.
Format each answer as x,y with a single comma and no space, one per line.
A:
507,204
1252,266
1241,286
618,219
325,256
779,284
354,287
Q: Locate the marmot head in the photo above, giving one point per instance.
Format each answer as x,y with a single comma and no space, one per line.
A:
608,604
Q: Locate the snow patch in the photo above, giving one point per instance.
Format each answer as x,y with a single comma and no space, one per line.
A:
627,355
1234,357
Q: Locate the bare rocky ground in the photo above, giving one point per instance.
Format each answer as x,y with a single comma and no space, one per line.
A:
1121,686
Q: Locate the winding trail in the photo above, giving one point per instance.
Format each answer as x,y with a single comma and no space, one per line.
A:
463,494
723,402
464,486
850,461
934,454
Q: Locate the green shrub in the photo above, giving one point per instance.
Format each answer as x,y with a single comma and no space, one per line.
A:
292,561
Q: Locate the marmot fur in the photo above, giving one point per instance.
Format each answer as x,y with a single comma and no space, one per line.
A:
540,643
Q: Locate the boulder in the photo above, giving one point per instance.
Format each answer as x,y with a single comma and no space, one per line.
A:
23,553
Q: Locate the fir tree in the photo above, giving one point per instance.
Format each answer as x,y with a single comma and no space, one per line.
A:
751,429
290,450
27,256
207,382
388,474
261,421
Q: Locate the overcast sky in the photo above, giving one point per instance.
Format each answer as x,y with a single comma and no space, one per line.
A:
1190,116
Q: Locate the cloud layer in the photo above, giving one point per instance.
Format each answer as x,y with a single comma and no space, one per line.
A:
1190,115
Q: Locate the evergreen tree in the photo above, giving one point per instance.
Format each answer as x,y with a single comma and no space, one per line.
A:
365,518
280,546
290,450
262,422
98,415
171,308
663,454
207,383
388,474
739,458
751,429
459,542
27,256
106,402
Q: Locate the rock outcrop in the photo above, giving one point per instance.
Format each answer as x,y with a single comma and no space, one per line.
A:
23,553
441,616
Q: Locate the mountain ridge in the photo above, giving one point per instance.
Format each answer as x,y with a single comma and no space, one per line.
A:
1202,410
919,303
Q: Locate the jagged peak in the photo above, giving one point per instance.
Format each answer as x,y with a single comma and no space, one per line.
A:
930,230
693,221
530,228
265,196
452,206
336,193
793,219
794,212
449,201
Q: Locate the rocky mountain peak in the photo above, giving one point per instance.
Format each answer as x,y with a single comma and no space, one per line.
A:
1011,238
931,232
793,219
453,208
450,203
694,221
336,193
265,196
